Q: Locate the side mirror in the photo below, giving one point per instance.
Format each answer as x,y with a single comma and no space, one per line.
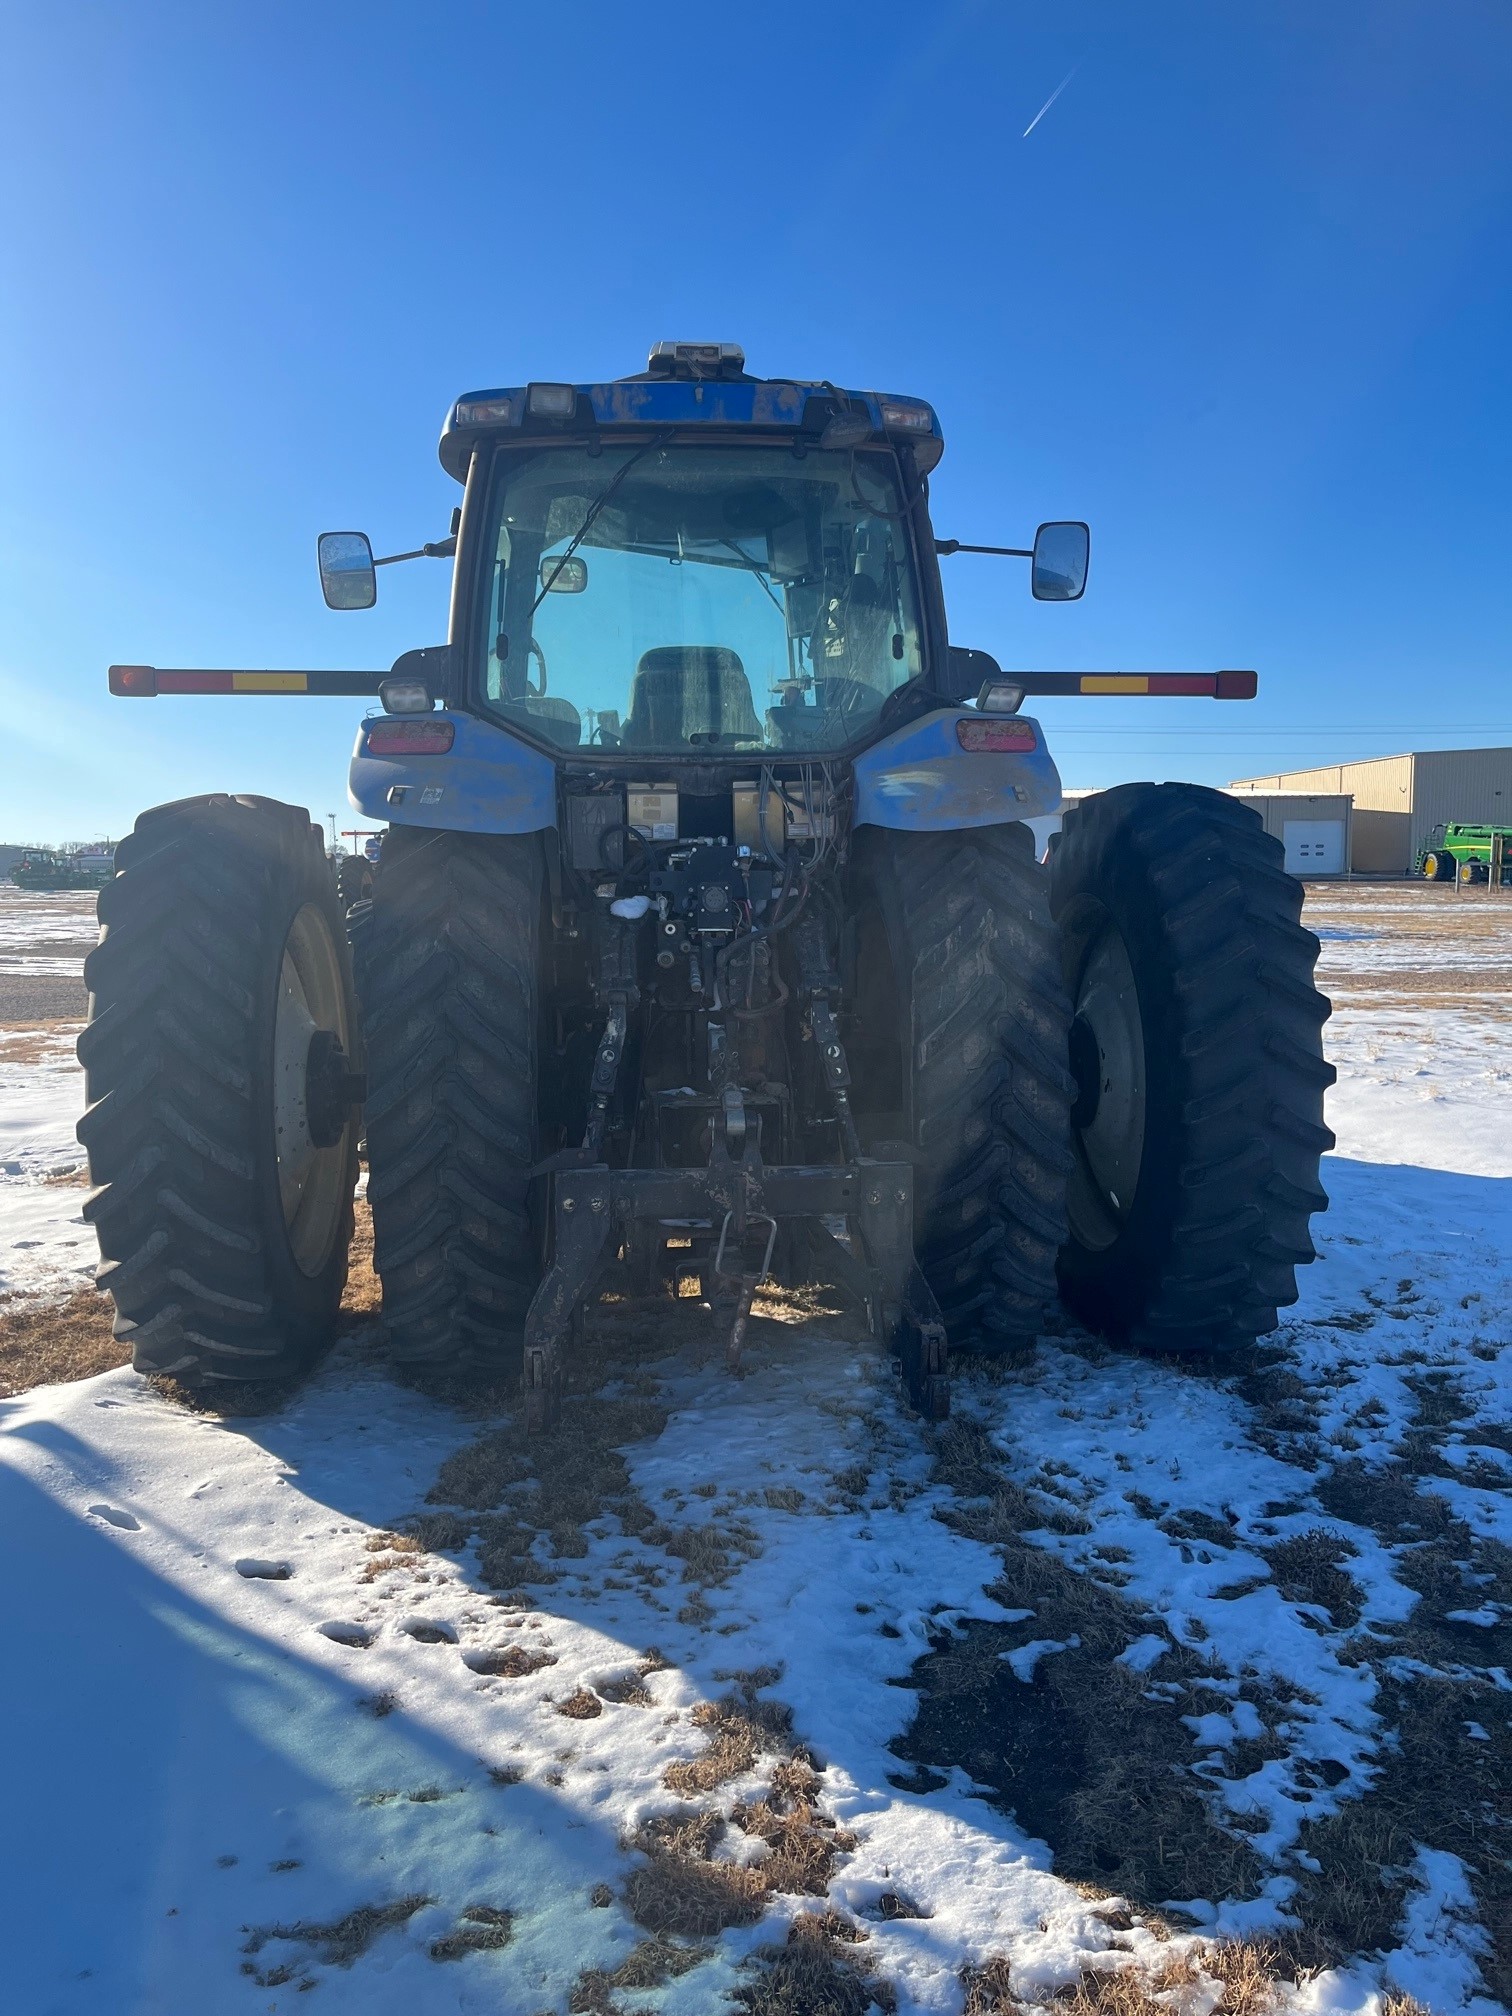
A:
347,576
564,577
1058,572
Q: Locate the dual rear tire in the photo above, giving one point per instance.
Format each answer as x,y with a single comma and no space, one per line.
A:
222,1061
1109,1078
1196,1049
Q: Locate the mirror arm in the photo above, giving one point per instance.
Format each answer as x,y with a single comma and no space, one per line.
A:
441,549
948,546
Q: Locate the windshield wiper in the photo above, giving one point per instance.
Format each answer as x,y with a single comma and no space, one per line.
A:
657,441
754,567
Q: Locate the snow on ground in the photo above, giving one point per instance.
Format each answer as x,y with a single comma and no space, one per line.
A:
45,930
45,1240
248,1714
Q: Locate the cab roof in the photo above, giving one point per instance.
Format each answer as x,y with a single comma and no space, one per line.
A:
691,385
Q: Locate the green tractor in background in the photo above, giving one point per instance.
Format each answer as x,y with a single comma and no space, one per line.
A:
1461,853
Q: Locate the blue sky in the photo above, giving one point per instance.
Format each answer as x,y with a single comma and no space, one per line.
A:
1241,299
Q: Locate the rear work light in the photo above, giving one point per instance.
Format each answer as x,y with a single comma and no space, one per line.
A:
410,735
912,415
999,735
551,402
484,412
405,696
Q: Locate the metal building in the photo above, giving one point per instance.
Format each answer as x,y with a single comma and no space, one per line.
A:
1313,827
1399,800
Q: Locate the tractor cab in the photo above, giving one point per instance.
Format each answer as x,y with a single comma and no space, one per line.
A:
697,563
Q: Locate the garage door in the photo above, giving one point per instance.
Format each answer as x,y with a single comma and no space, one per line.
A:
1313,846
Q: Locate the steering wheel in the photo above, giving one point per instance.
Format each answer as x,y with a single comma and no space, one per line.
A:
538,692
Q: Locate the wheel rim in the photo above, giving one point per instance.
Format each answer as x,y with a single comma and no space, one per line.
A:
1108,1064
311,1178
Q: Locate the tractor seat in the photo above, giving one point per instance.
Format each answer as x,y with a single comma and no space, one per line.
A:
686,690
557,720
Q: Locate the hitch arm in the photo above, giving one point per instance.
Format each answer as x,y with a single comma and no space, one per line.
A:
1123,685
146,682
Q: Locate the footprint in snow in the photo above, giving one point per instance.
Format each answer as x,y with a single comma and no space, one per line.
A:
428,1630
346,1633
113,1516
263,1571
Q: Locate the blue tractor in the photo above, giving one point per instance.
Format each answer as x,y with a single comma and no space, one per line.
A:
708,943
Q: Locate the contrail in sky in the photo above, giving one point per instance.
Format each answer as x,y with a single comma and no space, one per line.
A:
1050,100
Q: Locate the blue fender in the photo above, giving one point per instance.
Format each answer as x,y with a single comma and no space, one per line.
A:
921,780
487,782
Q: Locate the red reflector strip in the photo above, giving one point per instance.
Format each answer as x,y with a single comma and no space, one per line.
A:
409,736
1199,685
194,682
998,736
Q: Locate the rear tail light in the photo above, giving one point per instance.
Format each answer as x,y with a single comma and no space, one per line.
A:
998,735
134,682
410,735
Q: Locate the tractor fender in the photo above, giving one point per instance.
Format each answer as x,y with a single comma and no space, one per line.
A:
489,781
921,780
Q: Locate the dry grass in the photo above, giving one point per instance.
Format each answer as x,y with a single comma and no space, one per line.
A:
683,1890
51,1343
739,1726
651,1964
37,1042
1436,1784
989,1989
1085,1762
481,1928
804,1841
1079,1755
337,1944
1307,1570
508,1662
1245,1976
680,1892
733,1746
818,1972
524,1487
582,1706
363,1295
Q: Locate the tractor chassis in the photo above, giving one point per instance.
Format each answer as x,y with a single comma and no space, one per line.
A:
598,1206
